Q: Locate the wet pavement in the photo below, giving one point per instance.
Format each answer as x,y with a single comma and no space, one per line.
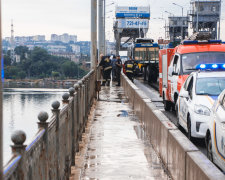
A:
116,145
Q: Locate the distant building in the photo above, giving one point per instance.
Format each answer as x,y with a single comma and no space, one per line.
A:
56,48
65,38
73,38
54,37
85,47
39,38
17,58
70,56
75,48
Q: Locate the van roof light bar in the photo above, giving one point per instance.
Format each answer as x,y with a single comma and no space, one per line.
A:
188,42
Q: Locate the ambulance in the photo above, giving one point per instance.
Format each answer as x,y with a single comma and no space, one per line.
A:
175,65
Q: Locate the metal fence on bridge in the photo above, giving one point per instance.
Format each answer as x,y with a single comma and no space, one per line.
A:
52,151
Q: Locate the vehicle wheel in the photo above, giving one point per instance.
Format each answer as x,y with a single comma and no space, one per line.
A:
167,104
145,73
209,148
189,128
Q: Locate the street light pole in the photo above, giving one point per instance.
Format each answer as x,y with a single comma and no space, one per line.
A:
171,14
180,7
219,21
197,17
182,29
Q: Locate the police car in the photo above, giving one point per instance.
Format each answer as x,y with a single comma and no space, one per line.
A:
196,98
215,135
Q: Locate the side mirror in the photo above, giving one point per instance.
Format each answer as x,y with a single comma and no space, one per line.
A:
184,94
170,71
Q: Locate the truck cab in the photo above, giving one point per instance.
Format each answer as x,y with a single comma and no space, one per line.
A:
145,53
176,64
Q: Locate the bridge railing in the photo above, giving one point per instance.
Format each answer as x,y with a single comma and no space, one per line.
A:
51,153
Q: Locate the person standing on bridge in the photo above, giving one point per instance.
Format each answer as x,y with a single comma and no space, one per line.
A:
118,69
113,60
129,68
107,68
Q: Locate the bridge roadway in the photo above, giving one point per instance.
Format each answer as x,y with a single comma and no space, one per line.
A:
153,94
115,145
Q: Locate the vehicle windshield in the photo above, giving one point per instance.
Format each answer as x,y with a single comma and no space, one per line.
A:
210,86
190,61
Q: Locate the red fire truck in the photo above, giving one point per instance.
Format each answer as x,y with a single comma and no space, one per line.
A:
176,64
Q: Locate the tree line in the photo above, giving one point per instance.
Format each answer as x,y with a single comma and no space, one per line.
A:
38,63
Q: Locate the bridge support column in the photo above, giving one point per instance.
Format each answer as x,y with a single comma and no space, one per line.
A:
93,34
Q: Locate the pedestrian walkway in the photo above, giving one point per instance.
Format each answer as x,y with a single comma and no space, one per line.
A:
115,144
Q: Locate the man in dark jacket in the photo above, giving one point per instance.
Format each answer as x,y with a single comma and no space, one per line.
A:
118,69
107,68
129,68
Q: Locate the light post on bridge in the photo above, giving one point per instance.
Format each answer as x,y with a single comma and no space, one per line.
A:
182,31
180,7
105,48
171,14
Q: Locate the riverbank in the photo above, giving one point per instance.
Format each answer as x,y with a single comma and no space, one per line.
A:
39,83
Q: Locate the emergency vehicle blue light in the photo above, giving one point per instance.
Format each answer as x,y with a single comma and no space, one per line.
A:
214,66
202,66
215,41
223,66
189,42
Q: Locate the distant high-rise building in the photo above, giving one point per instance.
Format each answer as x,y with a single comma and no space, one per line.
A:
39,38
73,38
65,38
54,37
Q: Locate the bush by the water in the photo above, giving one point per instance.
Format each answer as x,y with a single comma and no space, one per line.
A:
37,63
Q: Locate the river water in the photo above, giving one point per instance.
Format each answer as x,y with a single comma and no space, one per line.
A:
20,110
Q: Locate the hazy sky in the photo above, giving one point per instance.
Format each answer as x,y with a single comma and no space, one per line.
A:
45,17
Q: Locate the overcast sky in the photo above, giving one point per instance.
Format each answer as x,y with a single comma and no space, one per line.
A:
46,17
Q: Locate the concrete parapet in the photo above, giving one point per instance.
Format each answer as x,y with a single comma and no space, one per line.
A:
208,171
178,146
179,155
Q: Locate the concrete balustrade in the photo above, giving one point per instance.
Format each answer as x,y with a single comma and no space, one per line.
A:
180,156
52,150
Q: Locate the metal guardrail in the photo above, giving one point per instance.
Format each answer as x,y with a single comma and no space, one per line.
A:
51,153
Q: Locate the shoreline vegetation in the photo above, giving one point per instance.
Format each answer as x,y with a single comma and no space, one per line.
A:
39,64
39,83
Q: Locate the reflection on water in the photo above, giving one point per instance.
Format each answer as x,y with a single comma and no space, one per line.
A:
20,110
